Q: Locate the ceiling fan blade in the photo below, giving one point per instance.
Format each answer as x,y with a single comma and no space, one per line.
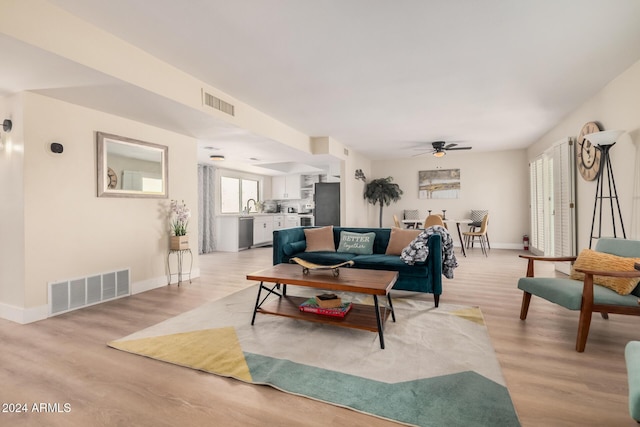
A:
423,153
460,148
449,146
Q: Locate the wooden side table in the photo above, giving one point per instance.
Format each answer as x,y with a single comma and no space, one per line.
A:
179,255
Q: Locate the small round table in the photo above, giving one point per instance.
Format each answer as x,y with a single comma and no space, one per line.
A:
179,254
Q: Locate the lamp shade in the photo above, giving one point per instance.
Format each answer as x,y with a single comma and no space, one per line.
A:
439,154
606,137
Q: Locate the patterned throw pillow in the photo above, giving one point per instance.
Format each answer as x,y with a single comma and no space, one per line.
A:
356,243
478,215
600,261
411,214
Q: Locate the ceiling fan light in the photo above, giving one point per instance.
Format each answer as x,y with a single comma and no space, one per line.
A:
439,154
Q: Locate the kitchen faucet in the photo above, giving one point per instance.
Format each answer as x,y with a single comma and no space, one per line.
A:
246,208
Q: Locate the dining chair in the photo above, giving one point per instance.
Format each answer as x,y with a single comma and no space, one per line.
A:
432,220
481,235
476,221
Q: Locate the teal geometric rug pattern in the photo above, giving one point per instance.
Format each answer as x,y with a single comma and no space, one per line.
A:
438,367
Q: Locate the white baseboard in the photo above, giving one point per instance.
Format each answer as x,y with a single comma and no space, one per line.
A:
29,315
516,246
23,315
158,282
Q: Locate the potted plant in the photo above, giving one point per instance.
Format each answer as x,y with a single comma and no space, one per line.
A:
382,191
180,215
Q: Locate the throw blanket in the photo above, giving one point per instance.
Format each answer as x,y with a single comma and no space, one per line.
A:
417,251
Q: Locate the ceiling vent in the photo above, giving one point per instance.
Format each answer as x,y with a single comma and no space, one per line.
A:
217,103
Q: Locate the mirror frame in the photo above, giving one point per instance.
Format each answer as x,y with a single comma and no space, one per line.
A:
103,139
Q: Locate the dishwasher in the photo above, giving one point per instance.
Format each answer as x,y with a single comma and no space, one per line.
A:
245,232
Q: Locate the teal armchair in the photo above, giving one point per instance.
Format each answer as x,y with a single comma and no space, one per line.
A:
584,296
632,359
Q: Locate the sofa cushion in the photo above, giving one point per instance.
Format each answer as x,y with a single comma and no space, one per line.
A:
389,262
320,239
356,243
400,239
292,248
632,359
593,260
568,292
326,258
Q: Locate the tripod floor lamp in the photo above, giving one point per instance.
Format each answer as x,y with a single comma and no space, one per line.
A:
604,141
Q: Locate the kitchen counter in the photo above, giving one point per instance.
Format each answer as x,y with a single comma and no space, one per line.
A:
228,229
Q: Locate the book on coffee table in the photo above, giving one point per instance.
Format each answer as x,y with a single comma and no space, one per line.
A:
328,300
310,306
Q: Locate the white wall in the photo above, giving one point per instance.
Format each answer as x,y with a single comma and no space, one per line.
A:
616,106
497,181
11,206
355,206
70,232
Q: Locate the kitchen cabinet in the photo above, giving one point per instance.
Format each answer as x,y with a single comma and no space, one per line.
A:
292,221
285,187
278,222
227,237
262,230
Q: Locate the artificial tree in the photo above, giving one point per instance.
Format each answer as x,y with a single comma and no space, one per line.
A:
382,191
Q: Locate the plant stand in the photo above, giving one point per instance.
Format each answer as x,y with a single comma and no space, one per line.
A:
179,255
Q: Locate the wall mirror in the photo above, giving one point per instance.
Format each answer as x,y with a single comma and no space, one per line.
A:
131,168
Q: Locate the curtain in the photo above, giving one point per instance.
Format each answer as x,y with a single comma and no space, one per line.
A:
635,206
206,205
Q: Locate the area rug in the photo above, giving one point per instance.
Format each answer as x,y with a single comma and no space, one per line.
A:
438,367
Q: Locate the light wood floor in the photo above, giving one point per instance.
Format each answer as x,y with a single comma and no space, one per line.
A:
65,360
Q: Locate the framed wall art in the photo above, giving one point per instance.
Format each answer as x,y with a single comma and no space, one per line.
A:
439,184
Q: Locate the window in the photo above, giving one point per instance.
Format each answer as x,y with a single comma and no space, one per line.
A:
236,192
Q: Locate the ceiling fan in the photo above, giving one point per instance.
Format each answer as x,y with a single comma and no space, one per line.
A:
440,148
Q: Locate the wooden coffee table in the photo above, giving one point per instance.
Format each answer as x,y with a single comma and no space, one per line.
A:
356,280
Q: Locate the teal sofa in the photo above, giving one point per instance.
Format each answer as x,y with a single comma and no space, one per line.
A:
421,277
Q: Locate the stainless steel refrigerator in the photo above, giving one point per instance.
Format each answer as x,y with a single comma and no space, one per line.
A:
327,203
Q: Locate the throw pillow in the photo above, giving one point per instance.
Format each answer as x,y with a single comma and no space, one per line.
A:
319,239
592,260
400,239
477,216
411,214
356,243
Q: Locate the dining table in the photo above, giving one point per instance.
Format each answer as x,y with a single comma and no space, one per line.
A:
457,222
412,223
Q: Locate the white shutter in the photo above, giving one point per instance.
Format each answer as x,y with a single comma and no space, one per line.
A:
552,187
564,203
537,206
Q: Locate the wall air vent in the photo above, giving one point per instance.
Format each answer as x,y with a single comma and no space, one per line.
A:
217,103
71,294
